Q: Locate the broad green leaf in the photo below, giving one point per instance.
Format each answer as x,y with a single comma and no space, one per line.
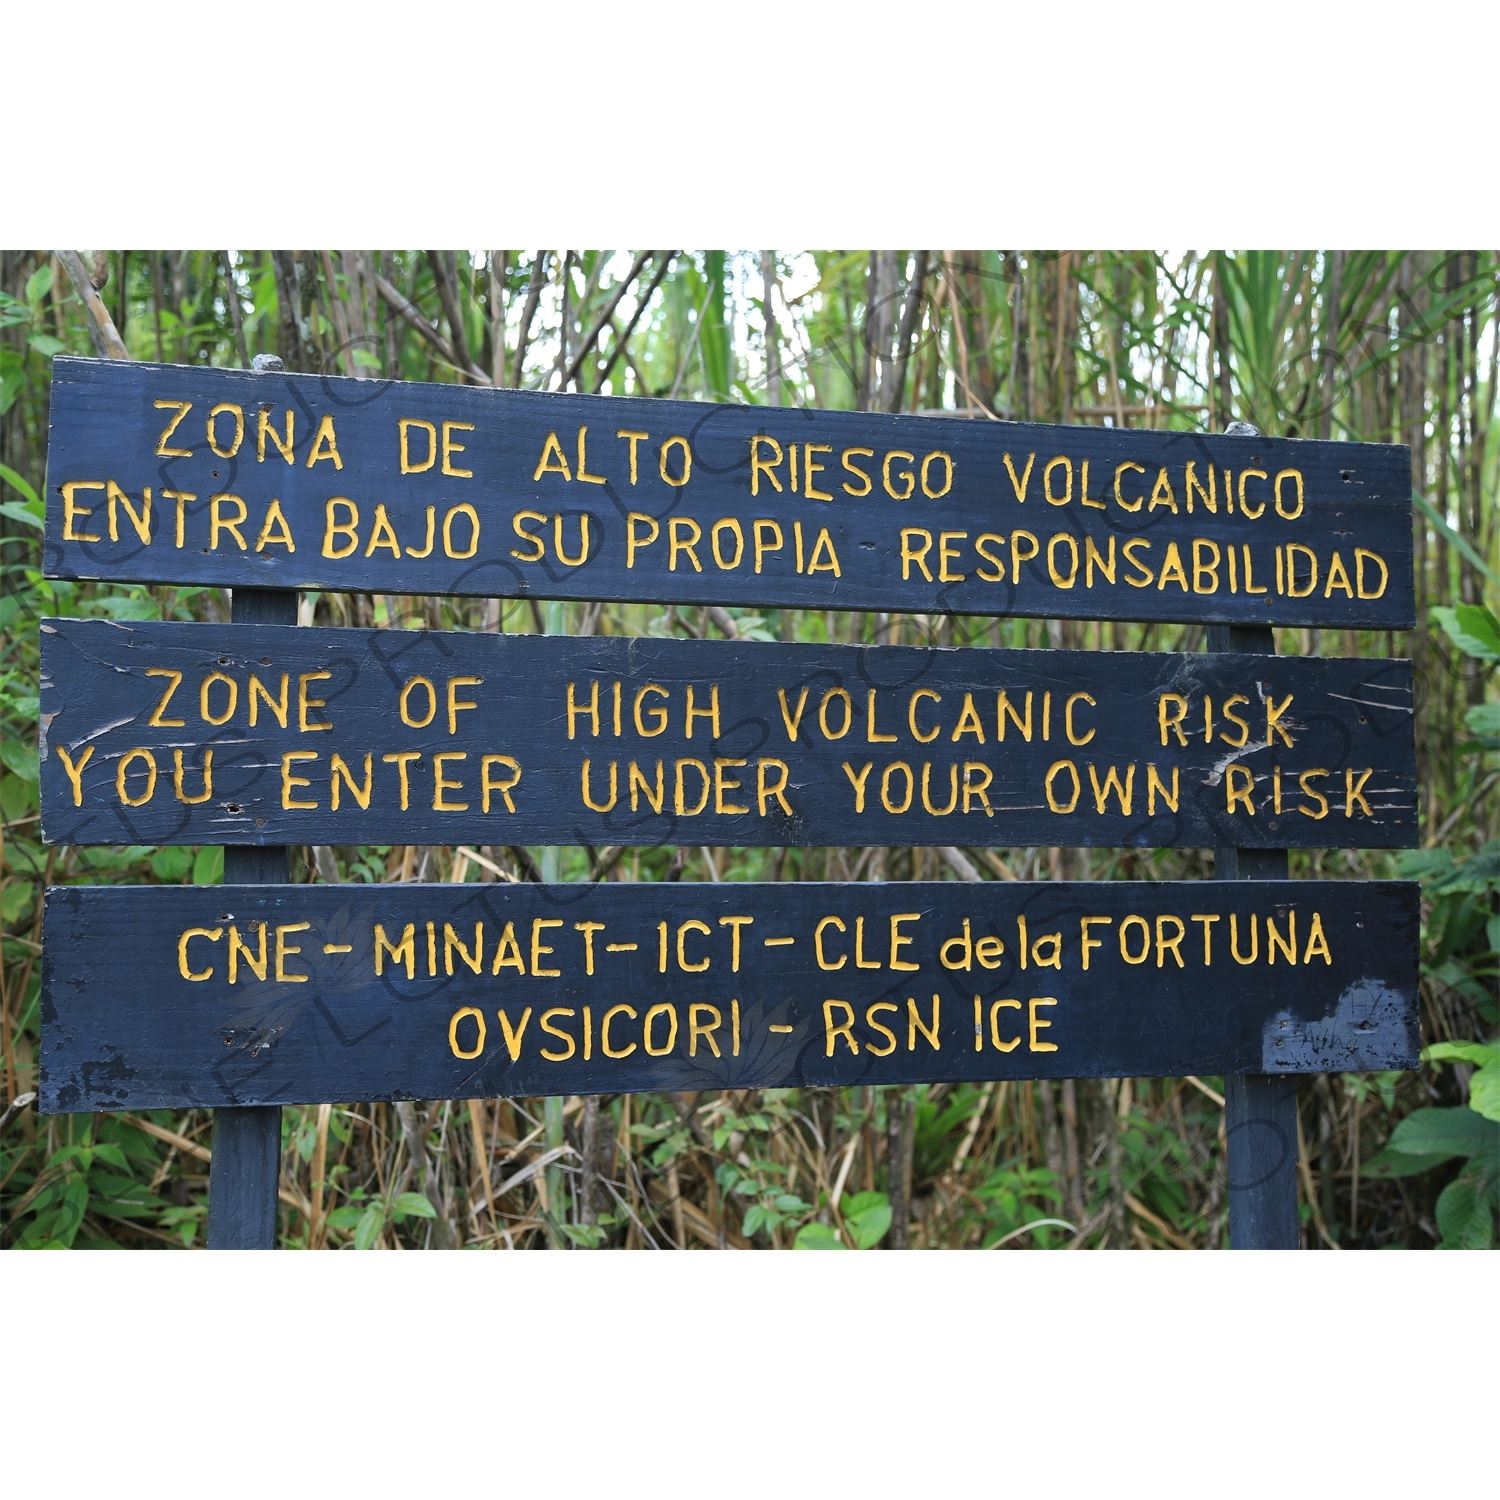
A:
15,511
817,1237
129,607
119,1197
347,1217
1483,721
1475,874
417,1204
1472,628
1481,1054
367,1232
172,863
870,1227
13,479
208,867
1442,1133
1484,1092
16,901
21,759
38,284
1463,1216
1389,1163
45,344
17,797
1478,622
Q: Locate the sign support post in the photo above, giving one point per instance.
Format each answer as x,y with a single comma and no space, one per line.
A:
1260,1111
246,1165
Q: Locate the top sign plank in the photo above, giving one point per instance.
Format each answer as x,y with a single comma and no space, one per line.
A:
179,474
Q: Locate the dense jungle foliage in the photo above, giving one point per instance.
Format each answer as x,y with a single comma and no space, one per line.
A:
1380,346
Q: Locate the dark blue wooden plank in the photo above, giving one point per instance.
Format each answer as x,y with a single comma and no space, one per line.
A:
153,996
397,487
792,756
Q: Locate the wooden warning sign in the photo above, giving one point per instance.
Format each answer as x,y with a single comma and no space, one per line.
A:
184,733
245,995
175,474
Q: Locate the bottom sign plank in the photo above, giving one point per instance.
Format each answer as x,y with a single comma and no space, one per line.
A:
160,997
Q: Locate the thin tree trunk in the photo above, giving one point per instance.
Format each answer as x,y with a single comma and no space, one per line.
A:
236,313
528,312
773,346
1332,312
499,262
1223,413
911,321
445,276
285,269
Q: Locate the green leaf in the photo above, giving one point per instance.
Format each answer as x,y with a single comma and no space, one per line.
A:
15,511
371,1223
1472,628
1475,874
129,607
817,1237
1427,508
13,479
1442,1133
1463,1216
1483,721
347,1217
17,797
1390,1163
16,901
870,1227
416,1204
1481,1054
1484,1092
38,284
119,1197
1423,864
171,864
208,867
45,344
19,758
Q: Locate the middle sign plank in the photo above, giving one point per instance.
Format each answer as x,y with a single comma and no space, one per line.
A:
160,733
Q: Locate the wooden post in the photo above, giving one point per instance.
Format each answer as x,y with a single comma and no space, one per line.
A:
1260,1112
246,1166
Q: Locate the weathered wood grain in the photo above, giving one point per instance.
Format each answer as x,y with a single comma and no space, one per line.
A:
844,510
153,997
976,747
